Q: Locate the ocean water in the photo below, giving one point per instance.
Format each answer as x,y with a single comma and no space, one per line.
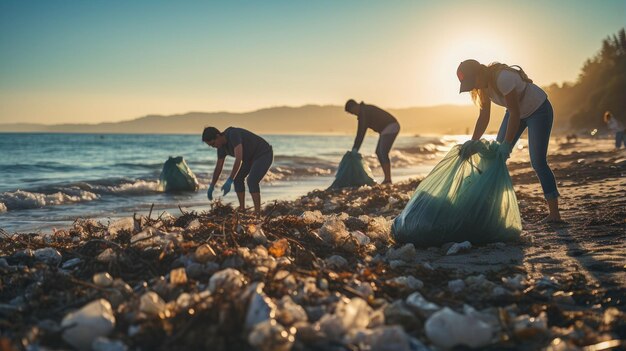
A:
49,180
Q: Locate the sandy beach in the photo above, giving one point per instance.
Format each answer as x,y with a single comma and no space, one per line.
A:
333,279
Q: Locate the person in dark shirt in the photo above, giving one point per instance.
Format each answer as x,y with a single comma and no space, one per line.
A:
253,158
380,121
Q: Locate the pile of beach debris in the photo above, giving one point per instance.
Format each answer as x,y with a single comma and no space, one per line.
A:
318,273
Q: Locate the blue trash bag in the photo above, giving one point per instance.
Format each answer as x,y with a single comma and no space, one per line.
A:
177,176
461,200
352,172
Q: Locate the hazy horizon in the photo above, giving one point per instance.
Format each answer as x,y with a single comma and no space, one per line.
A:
470,104
91,62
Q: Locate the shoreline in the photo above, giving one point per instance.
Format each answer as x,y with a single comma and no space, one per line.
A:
559,287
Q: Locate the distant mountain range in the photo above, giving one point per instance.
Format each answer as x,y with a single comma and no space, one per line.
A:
308,119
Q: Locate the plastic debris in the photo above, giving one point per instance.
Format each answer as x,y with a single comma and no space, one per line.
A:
123,224
388,338
49,256
257,234
459,247
260,307
310,217
178,276
321,293
289,312
334,231
447,329
406,253
90,322
421,305
517,282
151,304
103,279
349,314
360,237
227,279
270,336
336,262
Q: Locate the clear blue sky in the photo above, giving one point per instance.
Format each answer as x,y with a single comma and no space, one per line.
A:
93,61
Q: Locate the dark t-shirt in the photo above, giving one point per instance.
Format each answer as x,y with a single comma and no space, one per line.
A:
253,145
372,117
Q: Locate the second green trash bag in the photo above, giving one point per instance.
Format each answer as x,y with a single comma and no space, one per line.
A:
462,200
177,176
352,172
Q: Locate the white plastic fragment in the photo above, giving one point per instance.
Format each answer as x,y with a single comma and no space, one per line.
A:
334,231
459,247
122,224
406,253
516,282
289,312
310,217
386,338
270,336
379,228
49,256
419,303
90,322
360,237
195,224
151,304
349,314
227,279
102,279
260,308
447,329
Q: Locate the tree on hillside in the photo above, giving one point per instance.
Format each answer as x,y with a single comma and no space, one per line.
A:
601,86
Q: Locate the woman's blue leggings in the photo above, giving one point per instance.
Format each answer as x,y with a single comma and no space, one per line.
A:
539,125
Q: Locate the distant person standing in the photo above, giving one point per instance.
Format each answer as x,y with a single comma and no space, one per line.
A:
380,121
253,158
616,126
527,106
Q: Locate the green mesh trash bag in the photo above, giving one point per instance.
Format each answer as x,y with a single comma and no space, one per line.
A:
352,172
177,176
462,200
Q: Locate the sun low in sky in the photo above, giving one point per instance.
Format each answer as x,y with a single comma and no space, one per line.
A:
95,61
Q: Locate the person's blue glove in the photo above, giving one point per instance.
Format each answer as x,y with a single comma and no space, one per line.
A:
354,151
505,149
209,192
227,185
468,148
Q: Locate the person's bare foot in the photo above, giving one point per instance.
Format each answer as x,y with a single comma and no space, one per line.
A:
386,181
